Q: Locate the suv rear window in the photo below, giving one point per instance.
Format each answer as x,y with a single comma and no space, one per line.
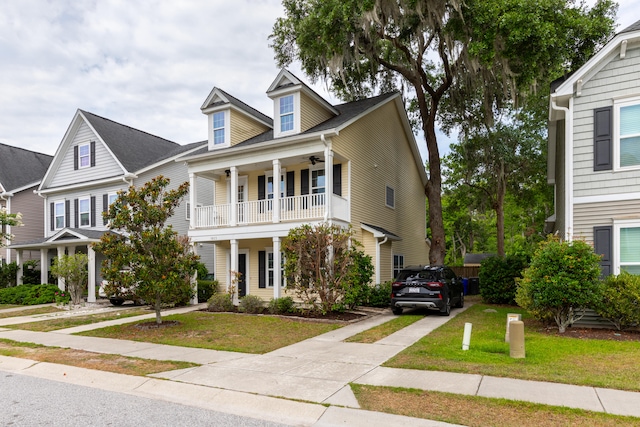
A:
424,275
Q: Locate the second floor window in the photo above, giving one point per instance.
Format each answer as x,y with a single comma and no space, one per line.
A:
84,212
629,136
317,181
286,113
218,128
84,156
59,215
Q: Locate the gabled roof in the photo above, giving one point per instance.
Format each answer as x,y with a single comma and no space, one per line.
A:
572,84
380,232
220,99
287,82
76,234
20,167
133,148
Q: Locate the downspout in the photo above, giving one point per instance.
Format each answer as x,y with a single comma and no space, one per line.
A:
328,191
378,250
128,178
568,166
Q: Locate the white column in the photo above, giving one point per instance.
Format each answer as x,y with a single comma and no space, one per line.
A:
328,180
192,201
233,268
277,273
71,250
91,282
60,279
194,277
44,266
276,191
234,198
8,228
20,267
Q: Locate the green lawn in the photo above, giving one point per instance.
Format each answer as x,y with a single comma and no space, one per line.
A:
29,311
562,359
221,331
381,331
65,322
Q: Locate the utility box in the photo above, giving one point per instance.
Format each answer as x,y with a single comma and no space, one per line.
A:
511,317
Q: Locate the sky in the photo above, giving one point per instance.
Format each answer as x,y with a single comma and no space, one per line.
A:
148,64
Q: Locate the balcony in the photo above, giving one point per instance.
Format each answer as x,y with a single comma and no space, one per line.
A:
292,209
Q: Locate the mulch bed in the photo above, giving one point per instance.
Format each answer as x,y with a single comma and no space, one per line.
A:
153,325
346,316
585,333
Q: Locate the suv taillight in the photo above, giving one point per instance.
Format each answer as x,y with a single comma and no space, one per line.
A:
435,284
397,284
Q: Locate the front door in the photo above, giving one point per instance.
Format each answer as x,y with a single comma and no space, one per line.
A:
242,269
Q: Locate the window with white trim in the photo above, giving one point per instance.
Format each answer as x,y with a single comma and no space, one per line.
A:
287,122
627,125
84,156
398,264
59,215
219,128
629,249
317,181
84,212
270,270
390,197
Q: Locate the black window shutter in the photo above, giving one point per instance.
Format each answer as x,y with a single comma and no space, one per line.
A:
53,216
304,181
105,207
261,187
603,245
93,211
75,212
602,139
67,213
75,157
290,183
337,179
262,269
93,153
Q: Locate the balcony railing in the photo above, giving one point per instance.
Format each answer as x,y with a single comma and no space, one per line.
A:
295,208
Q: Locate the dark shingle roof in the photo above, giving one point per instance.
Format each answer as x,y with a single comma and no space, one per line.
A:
20,167
134,148
633,27
250,110
384,231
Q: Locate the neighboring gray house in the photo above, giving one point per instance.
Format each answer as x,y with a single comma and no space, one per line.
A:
594,153
96,158
20,173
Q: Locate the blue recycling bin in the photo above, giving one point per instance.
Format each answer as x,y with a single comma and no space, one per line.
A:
465,285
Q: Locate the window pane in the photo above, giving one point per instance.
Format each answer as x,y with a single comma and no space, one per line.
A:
286,104
317,181
390,197
631,269
59,209
286,122
630,244
218,120
630,151
218,136
630,120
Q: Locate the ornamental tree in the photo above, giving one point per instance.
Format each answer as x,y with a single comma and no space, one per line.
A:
73,269
8,220
144,253
561,282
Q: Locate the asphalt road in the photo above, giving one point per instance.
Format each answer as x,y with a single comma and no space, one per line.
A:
29,401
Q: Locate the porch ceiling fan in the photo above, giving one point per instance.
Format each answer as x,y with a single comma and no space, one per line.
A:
315,159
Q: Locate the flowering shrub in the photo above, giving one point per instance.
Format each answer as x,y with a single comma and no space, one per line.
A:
62,298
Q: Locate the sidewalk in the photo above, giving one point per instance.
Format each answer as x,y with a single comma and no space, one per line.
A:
317,370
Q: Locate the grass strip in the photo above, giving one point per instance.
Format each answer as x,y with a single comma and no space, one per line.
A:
56,323
549,357
221,331
85,359
479,411
381,331
29,312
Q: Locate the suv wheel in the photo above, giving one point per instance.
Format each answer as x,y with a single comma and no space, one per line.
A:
396,310
446,310
116,301
460,303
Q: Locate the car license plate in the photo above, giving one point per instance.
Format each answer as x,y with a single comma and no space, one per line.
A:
414,290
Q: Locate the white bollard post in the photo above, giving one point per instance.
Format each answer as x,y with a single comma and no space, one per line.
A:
466,338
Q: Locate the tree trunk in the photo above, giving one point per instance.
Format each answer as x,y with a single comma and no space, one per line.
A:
434,193
500,193
157,306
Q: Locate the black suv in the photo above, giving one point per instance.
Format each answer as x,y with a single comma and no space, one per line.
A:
434,287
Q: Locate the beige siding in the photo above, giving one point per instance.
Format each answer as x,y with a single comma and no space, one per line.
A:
380,155
619,78
311,113
243,128
588,215
105,167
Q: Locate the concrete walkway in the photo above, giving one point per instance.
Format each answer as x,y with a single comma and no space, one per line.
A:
317,371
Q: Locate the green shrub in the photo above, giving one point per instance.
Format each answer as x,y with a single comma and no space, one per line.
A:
8,274
251,304
206,288
281,305
222,301
379,295
357,289
620,303
498,278
30,272
29,294
561,282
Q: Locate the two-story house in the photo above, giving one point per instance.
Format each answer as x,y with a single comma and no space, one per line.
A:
20,173
96,158
594,153
354,164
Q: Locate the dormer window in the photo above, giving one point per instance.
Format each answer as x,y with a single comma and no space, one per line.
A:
218,128
286,113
